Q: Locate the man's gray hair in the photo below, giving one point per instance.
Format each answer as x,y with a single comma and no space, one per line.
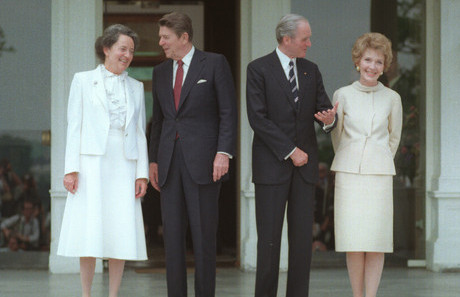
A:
287,26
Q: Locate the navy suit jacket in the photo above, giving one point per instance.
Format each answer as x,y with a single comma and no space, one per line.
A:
278,125
206,119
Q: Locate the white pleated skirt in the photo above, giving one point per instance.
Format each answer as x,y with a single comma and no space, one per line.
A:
363,213
103,219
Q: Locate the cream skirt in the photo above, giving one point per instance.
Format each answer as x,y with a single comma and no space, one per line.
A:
363,213
104,219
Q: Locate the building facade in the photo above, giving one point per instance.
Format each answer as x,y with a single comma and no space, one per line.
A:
335,26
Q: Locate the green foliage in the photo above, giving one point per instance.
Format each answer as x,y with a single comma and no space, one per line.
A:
409,86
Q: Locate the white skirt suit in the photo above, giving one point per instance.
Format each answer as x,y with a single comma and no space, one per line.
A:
106,145
365,142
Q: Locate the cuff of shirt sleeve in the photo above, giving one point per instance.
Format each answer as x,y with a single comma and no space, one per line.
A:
287,157
327,127
230,156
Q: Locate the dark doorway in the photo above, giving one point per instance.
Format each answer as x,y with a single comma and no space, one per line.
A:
220,36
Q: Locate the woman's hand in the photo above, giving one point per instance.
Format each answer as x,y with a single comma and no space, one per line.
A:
141,187
71,182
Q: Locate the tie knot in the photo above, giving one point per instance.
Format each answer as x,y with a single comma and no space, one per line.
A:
291,63
180,63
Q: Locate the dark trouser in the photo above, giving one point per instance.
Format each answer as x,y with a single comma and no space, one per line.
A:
270,208
181,198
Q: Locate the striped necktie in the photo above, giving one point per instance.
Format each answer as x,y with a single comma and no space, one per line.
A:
293,83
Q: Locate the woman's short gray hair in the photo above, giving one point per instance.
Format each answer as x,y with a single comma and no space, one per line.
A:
287,26
110,37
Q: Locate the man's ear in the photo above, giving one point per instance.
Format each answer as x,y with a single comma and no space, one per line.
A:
185,37
286,39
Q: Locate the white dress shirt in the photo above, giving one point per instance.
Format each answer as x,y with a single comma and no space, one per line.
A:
115,90
187,59
285,64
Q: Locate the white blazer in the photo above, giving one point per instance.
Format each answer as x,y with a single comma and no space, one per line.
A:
368,129
88,121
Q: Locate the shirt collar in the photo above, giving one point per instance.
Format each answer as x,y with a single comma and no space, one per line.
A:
106,73
187,59
283,58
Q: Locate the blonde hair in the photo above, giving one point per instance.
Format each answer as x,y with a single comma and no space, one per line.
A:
374,41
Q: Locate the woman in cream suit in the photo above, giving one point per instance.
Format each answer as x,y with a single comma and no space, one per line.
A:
365,142
106,166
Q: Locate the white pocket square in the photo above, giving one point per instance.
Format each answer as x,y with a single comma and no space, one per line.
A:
201,81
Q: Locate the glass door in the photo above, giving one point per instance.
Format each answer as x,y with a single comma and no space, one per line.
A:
25,122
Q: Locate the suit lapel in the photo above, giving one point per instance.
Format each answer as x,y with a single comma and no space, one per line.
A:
304,80
280,77
99,90
130,101
164,85
193,72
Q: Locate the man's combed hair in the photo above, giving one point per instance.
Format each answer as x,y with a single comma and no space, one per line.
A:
287,26
179,22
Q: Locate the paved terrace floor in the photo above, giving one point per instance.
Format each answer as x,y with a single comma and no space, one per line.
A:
331,282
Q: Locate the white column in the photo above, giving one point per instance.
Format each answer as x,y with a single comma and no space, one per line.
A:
257,32
443,139
75,24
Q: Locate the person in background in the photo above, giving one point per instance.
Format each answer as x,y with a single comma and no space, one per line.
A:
11,183
25,227
365,142
13,245
106,165
323,227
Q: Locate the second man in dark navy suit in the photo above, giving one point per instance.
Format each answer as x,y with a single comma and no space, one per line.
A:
285,95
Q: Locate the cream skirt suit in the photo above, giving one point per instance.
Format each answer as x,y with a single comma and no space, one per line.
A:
106,145
365,142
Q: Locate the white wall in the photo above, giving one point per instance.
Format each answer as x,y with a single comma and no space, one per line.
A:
443,139
257,38
25,76
335,27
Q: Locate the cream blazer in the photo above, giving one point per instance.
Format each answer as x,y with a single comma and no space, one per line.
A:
368,129
88,121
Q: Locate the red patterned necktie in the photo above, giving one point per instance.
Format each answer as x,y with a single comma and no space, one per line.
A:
178,83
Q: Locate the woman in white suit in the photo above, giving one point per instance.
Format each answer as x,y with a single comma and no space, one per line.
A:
106,166
365,142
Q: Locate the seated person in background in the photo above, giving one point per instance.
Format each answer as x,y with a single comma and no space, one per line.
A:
323,226
11,184
13,245
25,227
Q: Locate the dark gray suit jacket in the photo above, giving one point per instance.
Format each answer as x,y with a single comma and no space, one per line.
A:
278,125
206,120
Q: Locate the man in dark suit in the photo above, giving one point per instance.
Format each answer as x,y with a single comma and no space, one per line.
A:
192,138
285,94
